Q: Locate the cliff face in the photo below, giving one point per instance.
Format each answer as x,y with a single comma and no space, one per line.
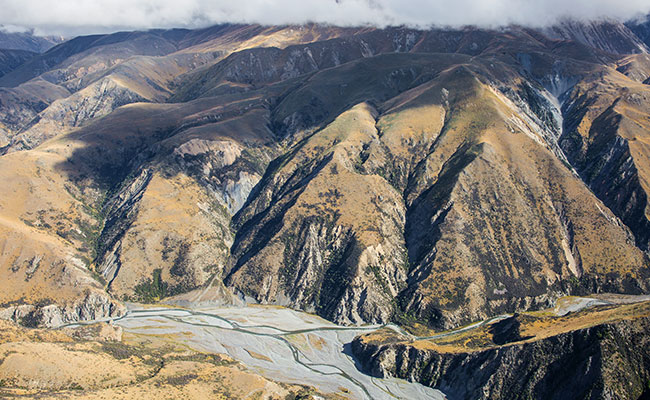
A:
94,306
604,361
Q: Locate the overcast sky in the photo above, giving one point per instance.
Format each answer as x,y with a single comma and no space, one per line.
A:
71,17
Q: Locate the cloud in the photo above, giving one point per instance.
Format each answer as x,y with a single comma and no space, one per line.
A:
85,16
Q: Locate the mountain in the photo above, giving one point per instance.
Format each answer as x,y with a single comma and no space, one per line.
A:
367,175
91,76
424,178
606,35
27,41
641,28
12,59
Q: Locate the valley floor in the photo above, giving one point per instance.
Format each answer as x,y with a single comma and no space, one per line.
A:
249,352
280,344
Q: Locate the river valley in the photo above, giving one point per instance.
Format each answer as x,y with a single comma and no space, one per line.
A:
281,344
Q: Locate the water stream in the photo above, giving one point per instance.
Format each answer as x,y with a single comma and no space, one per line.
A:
278,343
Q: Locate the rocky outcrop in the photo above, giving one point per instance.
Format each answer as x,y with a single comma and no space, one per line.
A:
4,138
602,362
121,212
101,332
225,166
94,306
321,235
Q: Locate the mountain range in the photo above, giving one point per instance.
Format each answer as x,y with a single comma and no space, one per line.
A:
422,177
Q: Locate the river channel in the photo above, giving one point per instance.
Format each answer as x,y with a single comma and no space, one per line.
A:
278,343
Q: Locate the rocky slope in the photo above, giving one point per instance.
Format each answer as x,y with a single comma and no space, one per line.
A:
90,76
364,174
505,360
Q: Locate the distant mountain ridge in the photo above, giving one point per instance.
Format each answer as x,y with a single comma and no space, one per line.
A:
27,41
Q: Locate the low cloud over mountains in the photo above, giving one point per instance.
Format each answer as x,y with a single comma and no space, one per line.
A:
72,17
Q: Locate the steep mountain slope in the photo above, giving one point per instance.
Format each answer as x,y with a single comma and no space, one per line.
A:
97,215
606,138
366,175
45,256
22,104
117,46
10,60
455,194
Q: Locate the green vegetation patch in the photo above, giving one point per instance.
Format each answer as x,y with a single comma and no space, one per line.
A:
152,290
